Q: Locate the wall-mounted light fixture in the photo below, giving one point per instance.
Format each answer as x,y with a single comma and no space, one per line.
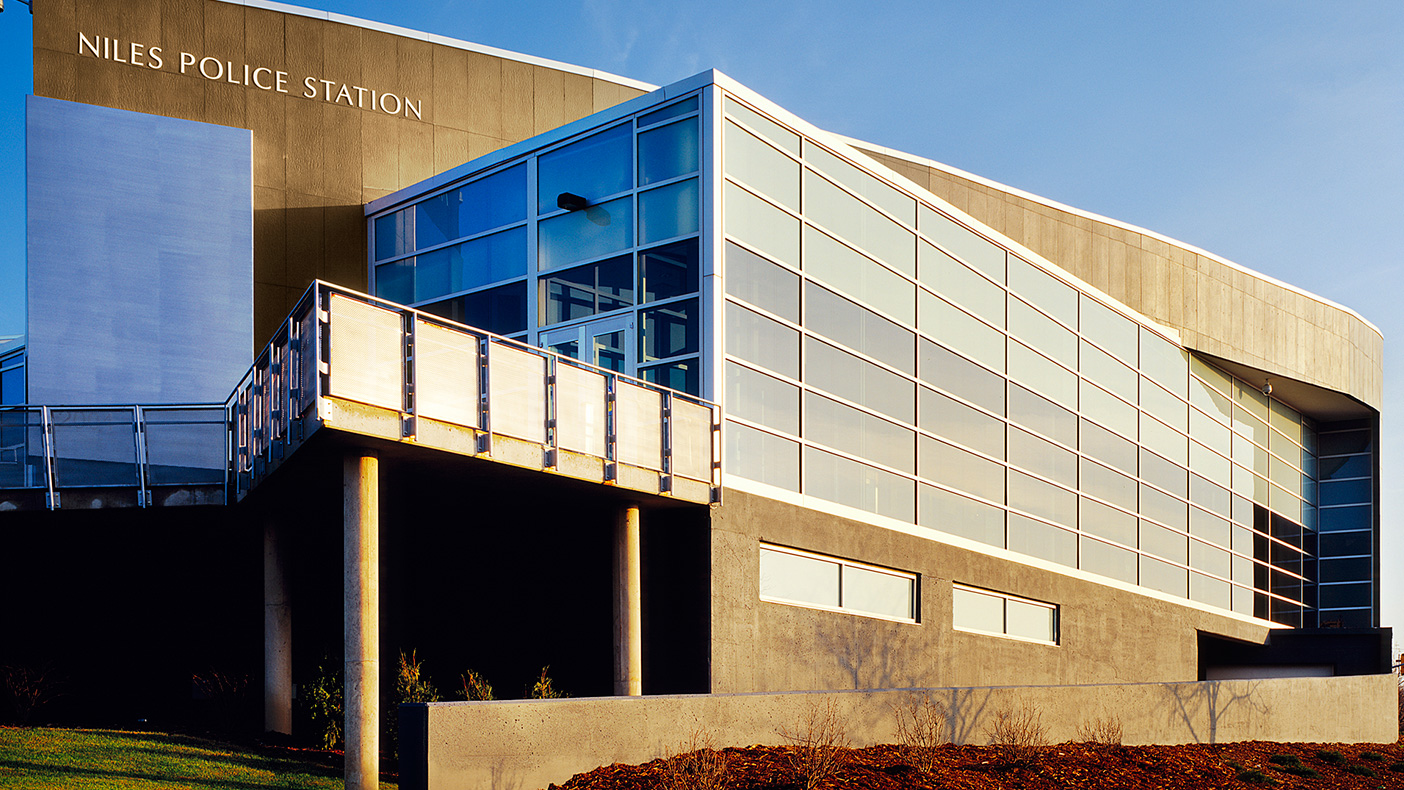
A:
566,200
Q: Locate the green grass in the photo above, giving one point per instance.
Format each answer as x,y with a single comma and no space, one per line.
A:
62,759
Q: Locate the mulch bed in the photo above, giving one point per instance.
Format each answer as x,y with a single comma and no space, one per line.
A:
1066,765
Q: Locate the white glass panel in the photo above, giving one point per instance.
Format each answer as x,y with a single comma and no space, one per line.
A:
1166,578
848,482
877,593
965,244
445,374
638,425
853,273
760,167
1031,621
1210,464
766,342
1211,375
1110,374
1211,432
1042,333
1034,454
763,457
1165,362
942,511
769,129
859,224
756,397
955,468
977,611
761,225
792,577
580,410
1042,499
1107,409
1041,540
367,353
863,183
766,285
1109,329
961,331
1284,419
1107,522
960,284
1164,440
517,392
1166,407
692,440
865,435
1107,560
846,322
1040,288
951,419
1042,374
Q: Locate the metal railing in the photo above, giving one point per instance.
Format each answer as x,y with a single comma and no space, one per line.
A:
346,345
142,448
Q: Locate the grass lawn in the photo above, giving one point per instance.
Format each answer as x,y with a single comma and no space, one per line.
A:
43,758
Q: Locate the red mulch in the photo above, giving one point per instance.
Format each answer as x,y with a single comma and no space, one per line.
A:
1066,765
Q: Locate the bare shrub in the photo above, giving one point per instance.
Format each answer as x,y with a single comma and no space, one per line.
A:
475,686
921,728
820,743
1017,734
29,689
1104,731
545,688
224,694
696,765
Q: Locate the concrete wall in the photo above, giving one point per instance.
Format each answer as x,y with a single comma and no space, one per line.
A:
1219,309
1109,635
140,248
316,161
531,743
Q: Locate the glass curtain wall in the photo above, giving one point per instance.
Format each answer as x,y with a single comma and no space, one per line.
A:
883,356
590,247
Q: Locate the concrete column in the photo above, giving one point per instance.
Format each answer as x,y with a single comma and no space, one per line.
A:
361,578
277,636
628,605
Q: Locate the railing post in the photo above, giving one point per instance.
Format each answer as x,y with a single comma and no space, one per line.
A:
665,482
553,439
484,399
611,429
409,425
139,430
46,422
291,371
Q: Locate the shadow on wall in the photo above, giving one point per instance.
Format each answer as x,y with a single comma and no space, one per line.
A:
1202,707
294,245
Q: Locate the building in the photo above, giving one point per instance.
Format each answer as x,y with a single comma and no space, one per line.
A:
967,434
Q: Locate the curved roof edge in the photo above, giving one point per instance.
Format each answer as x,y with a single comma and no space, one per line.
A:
1053,204
434,38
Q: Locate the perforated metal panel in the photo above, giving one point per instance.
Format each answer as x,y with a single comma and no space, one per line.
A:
692,440
580,410
517,392
639,425
445,374
367,351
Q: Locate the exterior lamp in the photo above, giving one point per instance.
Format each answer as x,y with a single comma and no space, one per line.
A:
566,200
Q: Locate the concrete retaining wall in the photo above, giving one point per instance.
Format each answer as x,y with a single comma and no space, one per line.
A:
528,744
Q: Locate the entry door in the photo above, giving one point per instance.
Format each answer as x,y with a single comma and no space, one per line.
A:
606,342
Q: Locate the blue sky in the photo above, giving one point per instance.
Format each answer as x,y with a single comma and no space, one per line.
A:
1271,133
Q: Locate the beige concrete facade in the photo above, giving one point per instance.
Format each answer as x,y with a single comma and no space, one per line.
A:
316,161
1218,308
1108,634
532,743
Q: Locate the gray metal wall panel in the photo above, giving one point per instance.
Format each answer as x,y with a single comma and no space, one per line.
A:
140,254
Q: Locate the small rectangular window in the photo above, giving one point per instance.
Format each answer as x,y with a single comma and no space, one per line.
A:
998,614
805,579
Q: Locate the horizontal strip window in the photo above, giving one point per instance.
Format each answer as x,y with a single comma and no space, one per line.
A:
998,614
818,581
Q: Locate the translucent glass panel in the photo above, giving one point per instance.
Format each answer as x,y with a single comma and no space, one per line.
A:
580,410
668,211
850,271
958,283
990,612
517,392
962,242
767,128
788,576
445,374
367,349
586,233
1112,331
668,151
953,514
763,341
1038,287
859,224
959,376
953,467
766,285
961,331
861,182
638,425
596,167
761,225
855,379
692,440
754,396
845,428
959,422
760,166
760,456
860,329
848,482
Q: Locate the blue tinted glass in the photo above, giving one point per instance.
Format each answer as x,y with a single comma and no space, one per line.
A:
436,220
488,259
593,168
1336,519
668,211
674,375
500,310
12,386
395,281
588,233
587,290
669,330
435,273
491,202
668,151
1343,466
1344,442
671,111
669,271
1346,492
392,235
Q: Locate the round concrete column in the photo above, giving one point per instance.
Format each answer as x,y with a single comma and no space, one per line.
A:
361,577
277,637
628,605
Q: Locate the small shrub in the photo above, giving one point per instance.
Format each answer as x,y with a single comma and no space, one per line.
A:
411,685
323,698
544,688
1104,732
1330,757
1302,770
921,728
1397,767
1253,776
475,687
820,743
1290,760
1017,734
224,693
696,765
1373,757
1234,764
1361,770
29,689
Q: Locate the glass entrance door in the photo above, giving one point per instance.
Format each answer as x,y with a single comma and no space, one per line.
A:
605,342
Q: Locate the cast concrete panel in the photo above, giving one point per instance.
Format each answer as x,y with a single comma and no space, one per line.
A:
536,742
1254,320
323,151
140,251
